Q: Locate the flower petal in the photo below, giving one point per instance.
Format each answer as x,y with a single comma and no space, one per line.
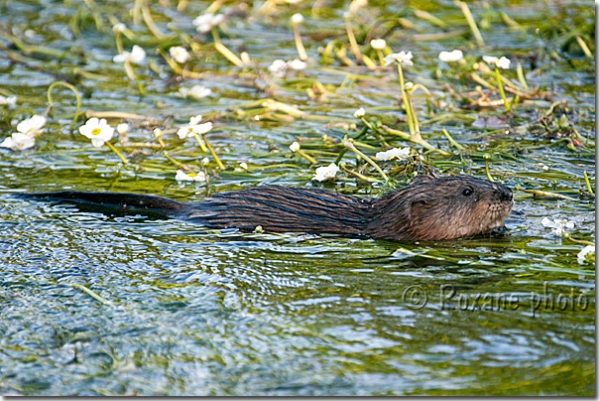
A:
183,132
120,58
7,143
202,128
97,142
86,130
195,120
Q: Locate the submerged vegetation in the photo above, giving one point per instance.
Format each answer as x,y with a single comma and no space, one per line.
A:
183,98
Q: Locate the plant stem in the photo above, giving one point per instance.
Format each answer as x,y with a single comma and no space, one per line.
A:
380,56
348,143
418,141
310,159
228,54
452,141
200,142
521,77
501,90
213,153
411,123
77,98
579,241
299,45
487,167
353,43
360,134
119,42
147,16
471,21
112,147
584,47
414,115
175,162
133,76
587,183
91,293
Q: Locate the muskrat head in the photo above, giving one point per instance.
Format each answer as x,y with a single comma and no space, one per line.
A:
448,207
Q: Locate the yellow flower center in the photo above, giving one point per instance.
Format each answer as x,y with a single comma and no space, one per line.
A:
96,131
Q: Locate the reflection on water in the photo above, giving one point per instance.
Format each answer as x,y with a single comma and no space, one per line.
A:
194,312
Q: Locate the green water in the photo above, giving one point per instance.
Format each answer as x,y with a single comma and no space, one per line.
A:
192,311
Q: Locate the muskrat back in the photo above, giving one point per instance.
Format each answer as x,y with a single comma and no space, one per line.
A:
429,209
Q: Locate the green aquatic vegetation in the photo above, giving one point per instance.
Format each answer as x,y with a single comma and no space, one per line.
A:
298,102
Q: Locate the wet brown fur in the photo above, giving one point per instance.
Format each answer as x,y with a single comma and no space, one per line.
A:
429,209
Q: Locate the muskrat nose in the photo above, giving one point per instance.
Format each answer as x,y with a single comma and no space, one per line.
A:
504,193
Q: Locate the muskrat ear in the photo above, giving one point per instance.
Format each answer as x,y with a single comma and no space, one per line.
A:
422,178
419,206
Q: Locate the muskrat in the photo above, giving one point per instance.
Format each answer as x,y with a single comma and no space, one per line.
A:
429,209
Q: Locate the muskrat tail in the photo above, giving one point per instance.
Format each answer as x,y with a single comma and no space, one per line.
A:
113,202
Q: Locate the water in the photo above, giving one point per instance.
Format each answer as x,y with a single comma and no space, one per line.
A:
193,311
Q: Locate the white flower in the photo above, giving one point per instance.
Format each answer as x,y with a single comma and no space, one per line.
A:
449,57
200,129
244,165
359,113
205,161
396,153
558,226
403,58
294,147
246,60
199,176
120,27
378,44
179,54
206,22
122,128
97,130
296,64
31,126
136,56
195,120
199,91
491,60
18,141
157,133
355,5
278,68
194,128
326,173
10,101
501,62
587,254
297,19
184,132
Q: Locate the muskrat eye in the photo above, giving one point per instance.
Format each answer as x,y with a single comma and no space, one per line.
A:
467,192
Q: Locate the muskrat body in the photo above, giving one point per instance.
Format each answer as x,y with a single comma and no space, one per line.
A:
429,209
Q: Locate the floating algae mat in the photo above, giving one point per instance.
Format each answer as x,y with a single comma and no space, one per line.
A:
187,99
